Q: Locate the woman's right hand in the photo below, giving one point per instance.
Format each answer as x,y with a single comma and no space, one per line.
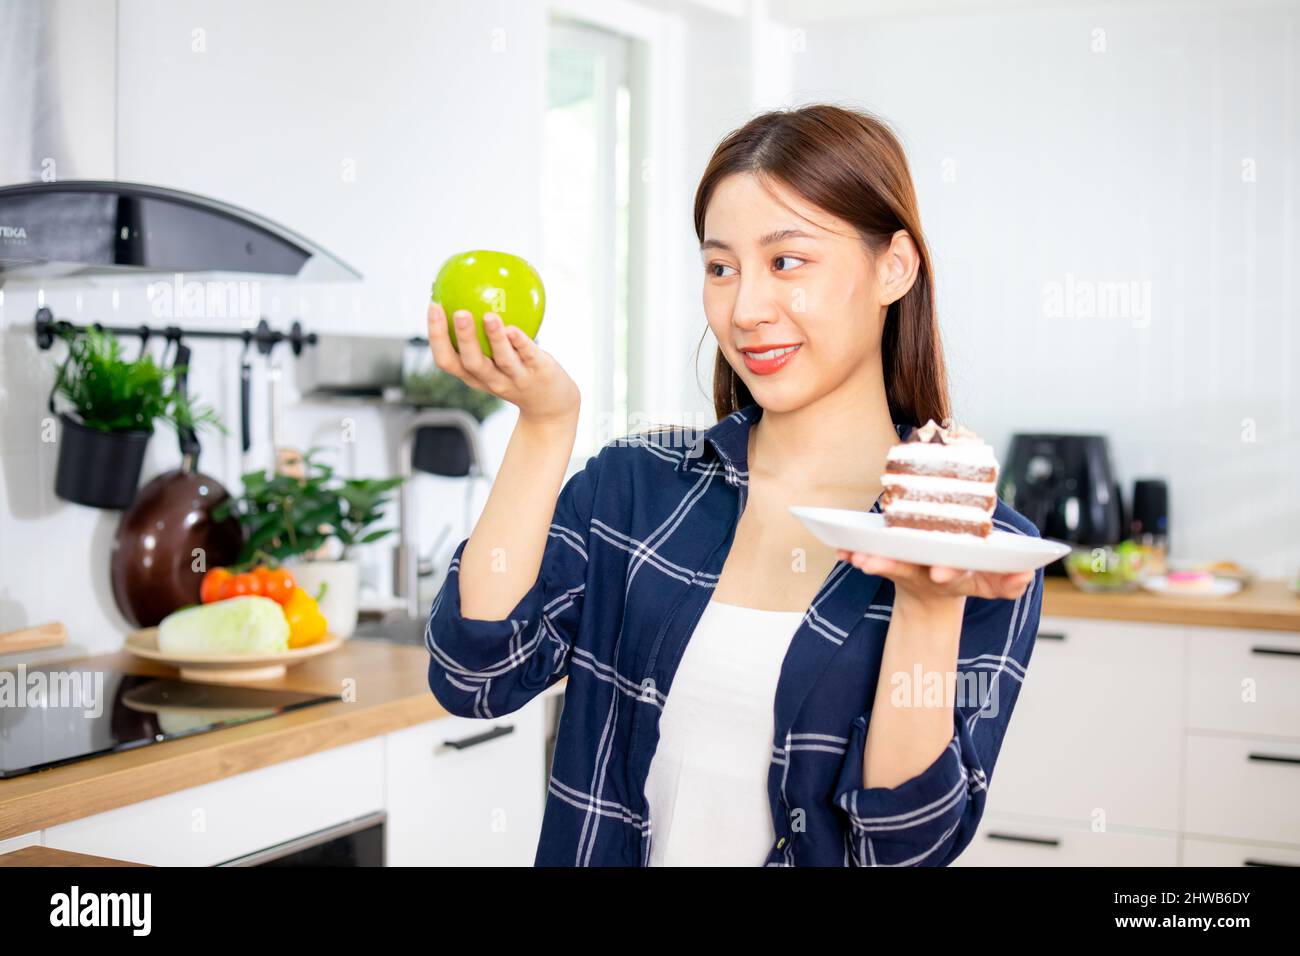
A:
518,371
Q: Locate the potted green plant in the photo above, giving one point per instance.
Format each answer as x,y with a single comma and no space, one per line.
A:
437,389
113,405
291,517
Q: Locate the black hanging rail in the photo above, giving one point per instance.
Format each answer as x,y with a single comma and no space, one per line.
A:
48,329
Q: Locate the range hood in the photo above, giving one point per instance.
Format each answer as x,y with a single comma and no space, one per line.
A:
80,228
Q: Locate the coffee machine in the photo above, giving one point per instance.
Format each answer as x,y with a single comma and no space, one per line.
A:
1065,485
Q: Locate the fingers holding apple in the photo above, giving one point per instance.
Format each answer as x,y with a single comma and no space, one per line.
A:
496,302
488,371
445,355
484,281
504,355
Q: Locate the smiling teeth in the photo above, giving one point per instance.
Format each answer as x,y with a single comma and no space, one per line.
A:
771,353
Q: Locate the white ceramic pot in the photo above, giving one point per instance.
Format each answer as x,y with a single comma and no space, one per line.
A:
343,584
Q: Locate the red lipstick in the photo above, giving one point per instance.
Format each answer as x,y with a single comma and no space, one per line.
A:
767,366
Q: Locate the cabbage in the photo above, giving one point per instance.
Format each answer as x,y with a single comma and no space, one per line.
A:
238,625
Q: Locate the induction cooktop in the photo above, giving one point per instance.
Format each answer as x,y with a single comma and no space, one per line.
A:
55,715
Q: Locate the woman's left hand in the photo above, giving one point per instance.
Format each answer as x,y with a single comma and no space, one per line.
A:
933,583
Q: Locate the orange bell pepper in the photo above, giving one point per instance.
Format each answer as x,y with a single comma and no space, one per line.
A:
307,624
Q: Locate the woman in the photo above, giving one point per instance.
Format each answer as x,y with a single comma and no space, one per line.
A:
738,693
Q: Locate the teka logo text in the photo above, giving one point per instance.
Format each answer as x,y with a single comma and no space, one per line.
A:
102,909
13,233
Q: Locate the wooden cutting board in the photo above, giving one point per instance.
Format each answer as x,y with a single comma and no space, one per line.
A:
29,638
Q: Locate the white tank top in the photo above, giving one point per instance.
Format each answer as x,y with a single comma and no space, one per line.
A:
707,787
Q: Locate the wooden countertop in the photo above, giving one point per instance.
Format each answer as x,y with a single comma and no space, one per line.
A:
1266,604
47,856
391,692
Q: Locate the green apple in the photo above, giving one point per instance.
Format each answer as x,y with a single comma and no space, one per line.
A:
483,281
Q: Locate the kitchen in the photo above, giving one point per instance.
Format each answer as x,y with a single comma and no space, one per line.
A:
1108,190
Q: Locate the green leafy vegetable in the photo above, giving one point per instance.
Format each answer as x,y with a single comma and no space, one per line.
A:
238,625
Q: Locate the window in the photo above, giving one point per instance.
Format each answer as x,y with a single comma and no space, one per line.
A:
586,224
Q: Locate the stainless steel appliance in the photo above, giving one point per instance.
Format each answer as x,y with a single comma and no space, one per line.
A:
90,227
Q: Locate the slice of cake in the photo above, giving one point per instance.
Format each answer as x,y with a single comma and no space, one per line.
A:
940,479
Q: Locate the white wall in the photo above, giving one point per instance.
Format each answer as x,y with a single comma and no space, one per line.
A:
1037,159
263,109
1115,166
392,133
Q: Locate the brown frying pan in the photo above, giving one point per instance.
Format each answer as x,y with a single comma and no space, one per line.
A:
167,539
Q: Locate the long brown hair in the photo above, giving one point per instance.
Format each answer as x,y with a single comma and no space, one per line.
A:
850,164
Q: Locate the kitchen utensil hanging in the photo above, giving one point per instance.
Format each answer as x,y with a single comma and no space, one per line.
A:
167,540
102,469
48,329
245,395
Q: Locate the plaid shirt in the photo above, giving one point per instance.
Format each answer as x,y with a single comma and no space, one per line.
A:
635,550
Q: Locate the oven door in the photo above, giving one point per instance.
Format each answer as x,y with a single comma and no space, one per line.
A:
358,842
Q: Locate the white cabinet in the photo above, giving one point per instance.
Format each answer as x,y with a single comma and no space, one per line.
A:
456,792
1243,681
218,821
1149,744
467,792
1242,787
1199,852
23,840
1012,841
1096,736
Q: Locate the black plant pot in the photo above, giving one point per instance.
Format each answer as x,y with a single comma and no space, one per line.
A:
96,468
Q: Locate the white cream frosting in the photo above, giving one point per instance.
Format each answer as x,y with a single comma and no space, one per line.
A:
932,453
956,444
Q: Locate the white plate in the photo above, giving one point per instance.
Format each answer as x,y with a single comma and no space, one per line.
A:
1001,552
1222,587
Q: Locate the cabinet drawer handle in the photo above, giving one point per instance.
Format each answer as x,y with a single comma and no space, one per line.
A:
1275,651
1274,758
1263,863
1050,636
1015,838
466,742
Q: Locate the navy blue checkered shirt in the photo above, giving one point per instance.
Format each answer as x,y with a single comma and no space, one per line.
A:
634,552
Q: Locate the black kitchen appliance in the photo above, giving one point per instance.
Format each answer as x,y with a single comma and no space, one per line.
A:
1065,485
59,714
1150,509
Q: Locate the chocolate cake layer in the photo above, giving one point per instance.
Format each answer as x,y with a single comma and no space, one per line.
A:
931,523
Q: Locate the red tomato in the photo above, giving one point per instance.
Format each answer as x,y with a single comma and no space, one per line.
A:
214,585
277,583
243,584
